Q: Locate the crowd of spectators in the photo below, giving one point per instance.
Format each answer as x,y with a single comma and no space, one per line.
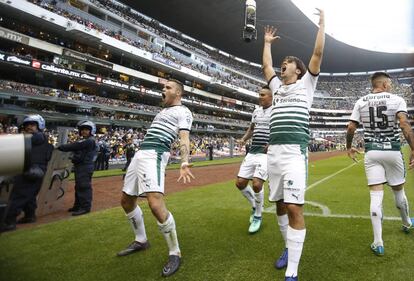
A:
208,68
115,103
334,139
350,86
167,33
112,142
346,90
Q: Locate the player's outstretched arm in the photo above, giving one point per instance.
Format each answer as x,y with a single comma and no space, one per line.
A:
408,134
185,172
352,152
316,59
269,37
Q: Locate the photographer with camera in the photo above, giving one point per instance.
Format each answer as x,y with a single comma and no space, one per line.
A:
84,155
27,186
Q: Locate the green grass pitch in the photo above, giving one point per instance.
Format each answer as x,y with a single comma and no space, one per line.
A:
212,223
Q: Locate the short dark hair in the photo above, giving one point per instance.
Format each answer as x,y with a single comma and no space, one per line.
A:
299,64
377,75
179,83
266,88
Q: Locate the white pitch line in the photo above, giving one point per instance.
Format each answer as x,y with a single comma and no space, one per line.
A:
326,213
343,216
329,177
272,210
325,209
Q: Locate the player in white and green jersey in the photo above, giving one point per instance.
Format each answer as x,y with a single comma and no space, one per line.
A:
254,166
289,136
382,114
145,175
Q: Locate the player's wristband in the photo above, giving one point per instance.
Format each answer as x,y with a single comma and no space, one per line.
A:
184,164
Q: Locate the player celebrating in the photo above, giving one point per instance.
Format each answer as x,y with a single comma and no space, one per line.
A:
254,166
289,136
145,174
380,112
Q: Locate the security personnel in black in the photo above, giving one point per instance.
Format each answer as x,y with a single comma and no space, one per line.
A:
27,186
129,149
84,156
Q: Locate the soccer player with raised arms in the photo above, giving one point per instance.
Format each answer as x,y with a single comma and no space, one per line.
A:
289,136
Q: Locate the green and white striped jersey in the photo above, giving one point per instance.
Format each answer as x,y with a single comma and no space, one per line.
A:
378,114
261,120
289,122
165,127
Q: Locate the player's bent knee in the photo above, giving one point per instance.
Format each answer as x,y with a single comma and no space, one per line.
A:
155,202
128,202
294,211
257,185
281,208
241,183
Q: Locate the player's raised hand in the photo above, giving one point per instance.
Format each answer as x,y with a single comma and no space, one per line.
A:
352,152
185,173
321,15
270,34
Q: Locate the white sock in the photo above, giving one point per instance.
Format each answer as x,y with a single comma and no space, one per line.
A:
295,239
376,215
258,203
170,234
283,222
249,194
401,203
136,220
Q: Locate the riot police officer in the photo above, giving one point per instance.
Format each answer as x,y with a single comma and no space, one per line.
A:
27,186
84,155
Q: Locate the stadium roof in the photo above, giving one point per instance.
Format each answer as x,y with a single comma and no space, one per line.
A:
219,24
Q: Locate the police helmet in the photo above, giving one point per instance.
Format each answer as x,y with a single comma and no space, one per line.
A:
88,124
41,123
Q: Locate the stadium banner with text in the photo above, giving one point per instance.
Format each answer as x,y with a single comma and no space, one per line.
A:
86,58
15,59
13,36
68,72
159,58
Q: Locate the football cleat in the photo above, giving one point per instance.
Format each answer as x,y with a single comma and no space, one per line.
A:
252,215
282,261
407,229
291,278
171,266
134,247
255,225
378,250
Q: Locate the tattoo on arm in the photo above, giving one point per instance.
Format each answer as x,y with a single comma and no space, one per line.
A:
352,126
184,152
349,138
408,132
